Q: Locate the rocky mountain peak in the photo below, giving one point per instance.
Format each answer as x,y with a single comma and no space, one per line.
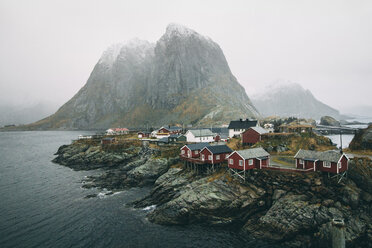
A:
183,78
178,29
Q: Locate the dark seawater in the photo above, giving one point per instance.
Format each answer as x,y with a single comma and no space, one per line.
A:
42,204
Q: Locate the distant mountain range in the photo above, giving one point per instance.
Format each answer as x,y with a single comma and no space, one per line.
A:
183,78
24,114
291,99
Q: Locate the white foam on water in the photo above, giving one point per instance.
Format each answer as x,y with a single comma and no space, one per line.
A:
149,208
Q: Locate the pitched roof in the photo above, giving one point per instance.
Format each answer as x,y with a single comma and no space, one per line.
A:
260,130
144,132
219,149
120,129
172,128
242,124
201,132
330,156
197,146
220,130
253,153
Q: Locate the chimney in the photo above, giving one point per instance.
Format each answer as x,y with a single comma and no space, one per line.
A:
241,120
246,120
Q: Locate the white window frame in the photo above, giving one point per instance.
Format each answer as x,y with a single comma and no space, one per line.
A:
217,157
339,165
189,153
240,162
210,157
301,161
250,162
203,157
183,152
196,152
231,161
327,164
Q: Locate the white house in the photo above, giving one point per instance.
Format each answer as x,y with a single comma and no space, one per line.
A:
239,126
110,131
199,135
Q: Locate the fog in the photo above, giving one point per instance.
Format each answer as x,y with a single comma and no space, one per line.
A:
48,48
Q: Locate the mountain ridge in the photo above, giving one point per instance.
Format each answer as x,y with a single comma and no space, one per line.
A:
288,99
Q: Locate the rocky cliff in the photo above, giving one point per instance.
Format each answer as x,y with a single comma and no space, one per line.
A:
182,78
287,99
282,208
362,139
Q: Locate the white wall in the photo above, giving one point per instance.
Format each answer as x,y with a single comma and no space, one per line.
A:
191,138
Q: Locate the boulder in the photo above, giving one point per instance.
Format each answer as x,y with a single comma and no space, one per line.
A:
329,121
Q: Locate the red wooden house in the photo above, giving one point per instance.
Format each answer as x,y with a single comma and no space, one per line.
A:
192,150
168,130
252,135
328,161
215,154
249,159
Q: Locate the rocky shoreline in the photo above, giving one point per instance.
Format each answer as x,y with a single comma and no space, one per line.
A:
294,210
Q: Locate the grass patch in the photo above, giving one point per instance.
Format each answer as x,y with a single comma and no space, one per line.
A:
284,160
235,143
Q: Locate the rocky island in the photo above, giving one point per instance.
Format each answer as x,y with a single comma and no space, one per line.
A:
291,209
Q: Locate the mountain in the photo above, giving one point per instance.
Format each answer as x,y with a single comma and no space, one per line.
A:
182,78
291,99
23,114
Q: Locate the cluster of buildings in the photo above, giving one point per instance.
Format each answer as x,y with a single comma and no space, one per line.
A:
203,151
208,157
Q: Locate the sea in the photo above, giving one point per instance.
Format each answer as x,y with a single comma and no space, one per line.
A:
347,138
43,204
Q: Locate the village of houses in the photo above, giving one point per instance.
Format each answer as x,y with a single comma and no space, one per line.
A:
207,149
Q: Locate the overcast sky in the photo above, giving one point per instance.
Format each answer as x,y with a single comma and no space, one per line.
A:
48,48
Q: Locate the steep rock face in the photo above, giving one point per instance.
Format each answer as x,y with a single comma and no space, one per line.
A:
290,99
362,139
183,78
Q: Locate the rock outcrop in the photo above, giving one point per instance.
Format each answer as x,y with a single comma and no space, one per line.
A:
329,121
81,156
362,139
131,167
183,78
292,209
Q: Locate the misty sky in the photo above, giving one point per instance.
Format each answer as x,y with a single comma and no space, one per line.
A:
48,48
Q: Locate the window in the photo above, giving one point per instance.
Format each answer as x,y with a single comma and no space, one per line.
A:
183,152
250,162
327,164
217,157
339,165
241,162
203,157
189,153
231,161
196,152
210,157
301,161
